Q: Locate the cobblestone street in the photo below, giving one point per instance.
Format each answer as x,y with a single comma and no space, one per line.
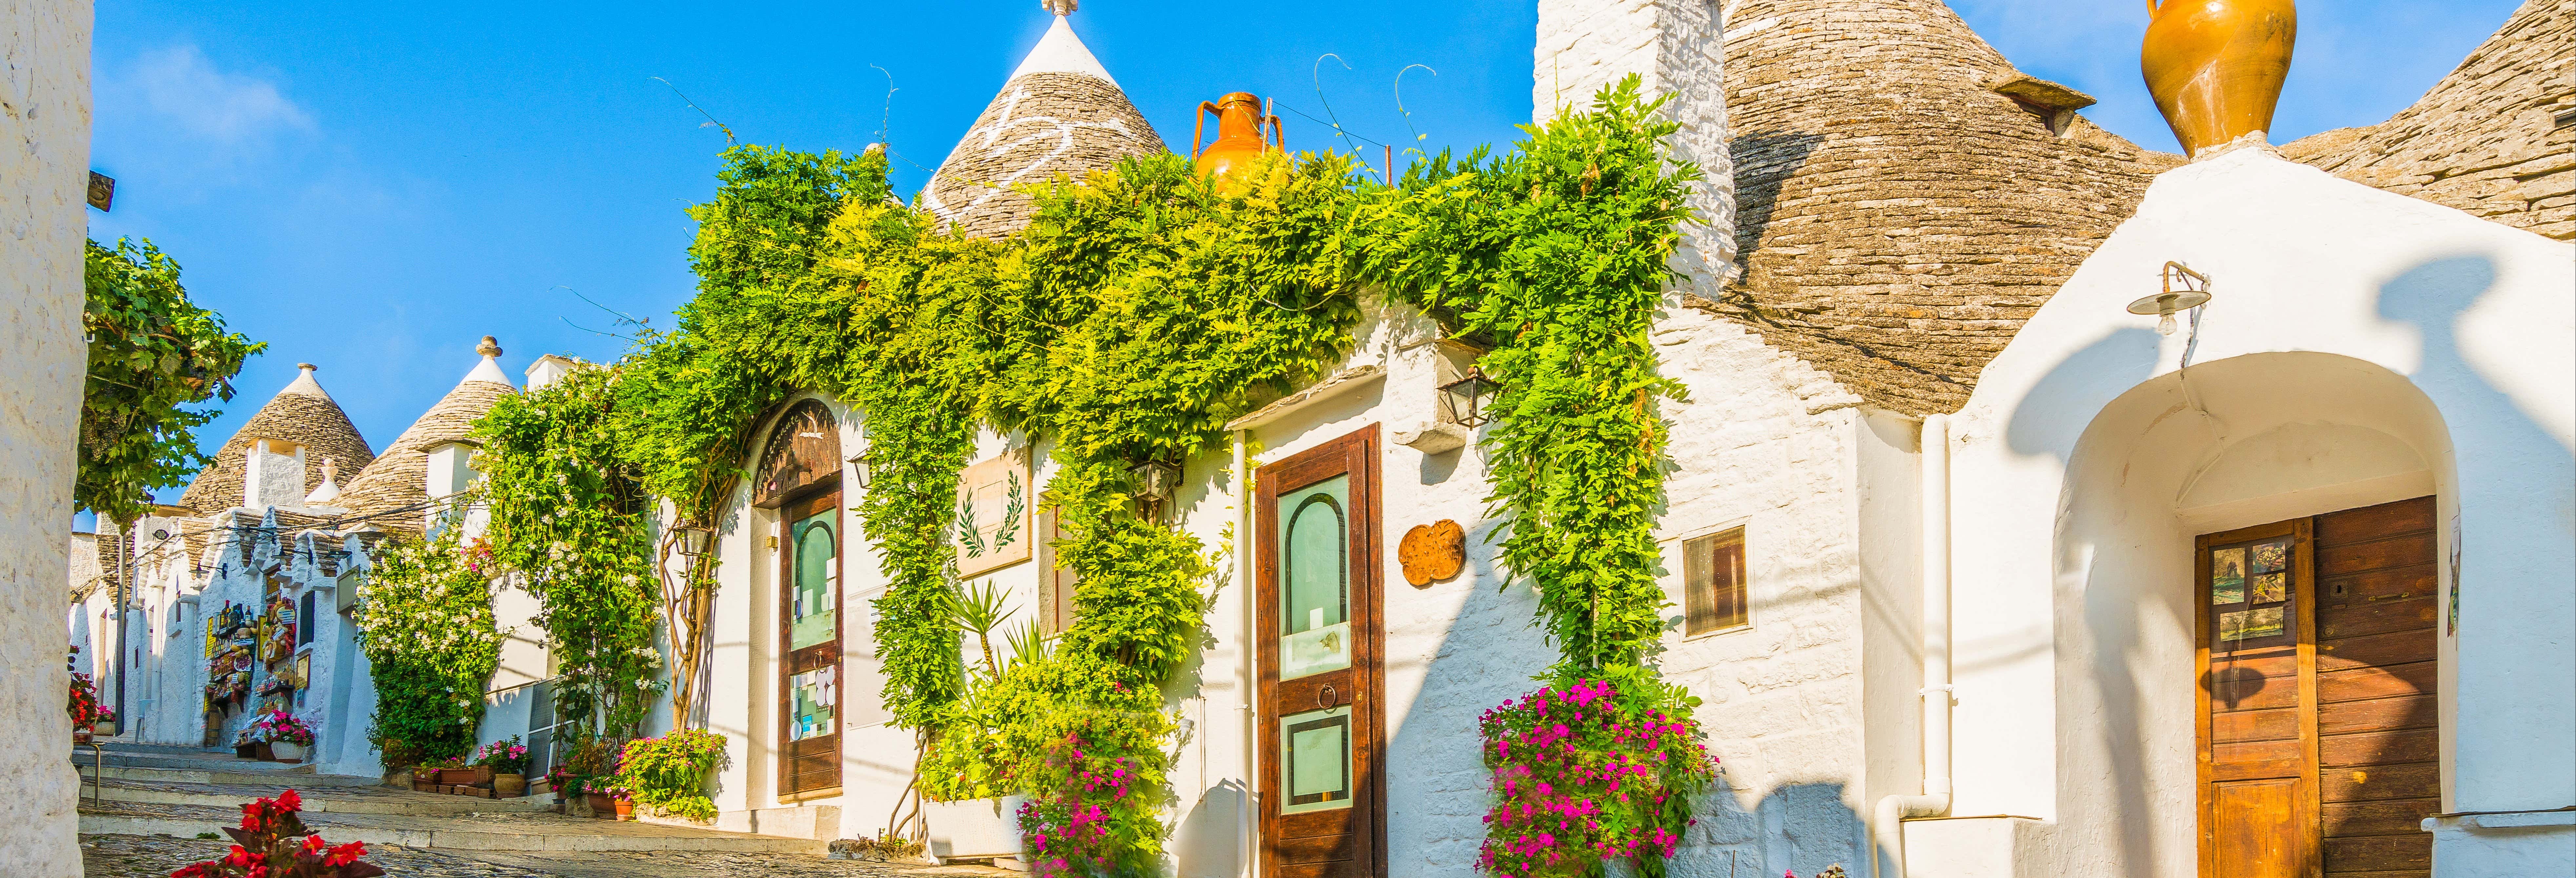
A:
140,856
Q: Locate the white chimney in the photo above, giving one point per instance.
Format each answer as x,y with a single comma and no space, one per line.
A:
273,474
451,469
548,369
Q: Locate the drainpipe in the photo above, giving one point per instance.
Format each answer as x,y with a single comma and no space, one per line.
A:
1248,810
1887,821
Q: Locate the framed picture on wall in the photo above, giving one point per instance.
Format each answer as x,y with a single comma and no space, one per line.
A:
994,529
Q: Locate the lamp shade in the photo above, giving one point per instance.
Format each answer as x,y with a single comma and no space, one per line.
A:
1466,397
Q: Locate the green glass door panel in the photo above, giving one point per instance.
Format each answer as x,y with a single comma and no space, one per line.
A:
813,619
1316,765
814,699
1315,567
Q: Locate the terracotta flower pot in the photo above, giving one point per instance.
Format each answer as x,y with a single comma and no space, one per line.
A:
2215,67
625,809
602,805
466,776
510,786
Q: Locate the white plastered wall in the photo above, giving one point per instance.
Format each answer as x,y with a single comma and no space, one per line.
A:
44,127
2362,347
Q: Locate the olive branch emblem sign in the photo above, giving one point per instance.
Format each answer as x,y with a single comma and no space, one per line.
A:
1015,501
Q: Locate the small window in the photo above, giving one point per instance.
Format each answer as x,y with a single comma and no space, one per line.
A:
304,620
1713,583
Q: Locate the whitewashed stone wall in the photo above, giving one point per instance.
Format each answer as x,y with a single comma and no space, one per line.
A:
1768,443
44,165
1675,47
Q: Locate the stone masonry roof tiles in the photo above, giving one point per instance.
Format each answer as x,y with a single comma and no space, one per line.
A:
1897,219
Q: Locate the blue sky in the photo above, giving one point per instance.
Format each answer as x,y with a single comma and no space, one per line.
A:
373,188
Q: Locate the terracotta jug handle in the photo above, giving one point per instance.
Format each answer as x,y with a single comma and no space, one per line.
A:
1200,128
1278,138
2151,8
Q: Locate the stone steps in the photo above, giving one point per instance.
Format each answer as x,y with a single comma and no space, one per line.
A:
317,800
297,779
153,763
507,832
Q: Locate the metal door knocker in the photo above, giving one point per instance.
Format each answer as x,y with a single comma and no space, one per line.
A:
1328,697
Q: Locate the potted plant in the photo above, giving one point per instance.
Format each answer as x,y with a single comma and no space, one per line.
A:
669,774
505,759
563,783
590,767
85,710
286,734
272,842
252,744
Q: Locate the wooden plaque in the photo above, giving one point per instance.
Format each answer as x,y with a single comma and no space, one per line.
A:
1432,552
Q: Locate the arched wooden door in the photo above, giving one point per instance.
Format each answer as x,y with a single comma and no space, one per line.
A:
1320,642
800,476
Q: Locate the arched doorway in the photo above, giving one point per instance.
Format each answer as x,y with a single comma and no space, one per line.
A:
800,476
2253,628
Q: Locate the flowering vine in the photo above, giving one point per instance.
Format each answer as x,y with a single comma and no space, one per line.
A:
425,622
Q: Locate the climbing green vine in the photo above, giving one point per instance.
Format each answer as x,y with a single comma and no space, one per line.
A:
1132,319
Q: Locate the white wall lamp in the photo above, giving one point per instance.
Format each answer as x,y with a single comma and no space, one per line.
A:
859,470
2185,289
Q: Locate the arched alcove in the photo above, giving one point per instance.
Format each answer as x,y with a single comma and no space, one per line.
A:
2228,444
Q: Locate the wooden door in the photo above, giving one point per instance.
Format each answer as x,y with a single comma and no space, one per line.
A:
2316,736
809,638
1320,640
2378,751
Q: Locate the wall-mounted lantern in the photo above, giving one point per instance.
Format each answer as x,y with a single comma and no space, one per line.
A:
2184,289
859,470
693,538
1155,480
1466,396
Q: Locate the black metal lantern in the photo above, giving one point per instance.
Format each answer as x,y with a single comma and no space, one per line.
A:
1466,397
1155,479
693,539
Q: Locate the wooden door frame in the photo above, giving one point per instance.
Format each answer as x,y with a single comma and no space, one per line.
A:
828,496
1355,454
2303,599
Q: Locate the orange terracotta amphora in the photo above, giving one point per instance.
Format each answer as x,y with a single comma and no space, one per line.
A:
2216,66
1239,141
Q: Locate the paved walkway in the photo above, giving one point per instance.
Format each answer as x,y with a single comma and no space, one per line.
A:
156,803
138,856
520,832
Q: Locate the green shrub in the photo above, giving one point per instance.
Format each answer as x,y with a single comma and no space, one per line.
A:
668,775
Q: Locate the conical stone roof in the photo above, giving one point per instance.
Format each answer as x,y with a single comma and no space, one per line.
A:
1898,218
304,414
1059,115
397,480
2493,138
